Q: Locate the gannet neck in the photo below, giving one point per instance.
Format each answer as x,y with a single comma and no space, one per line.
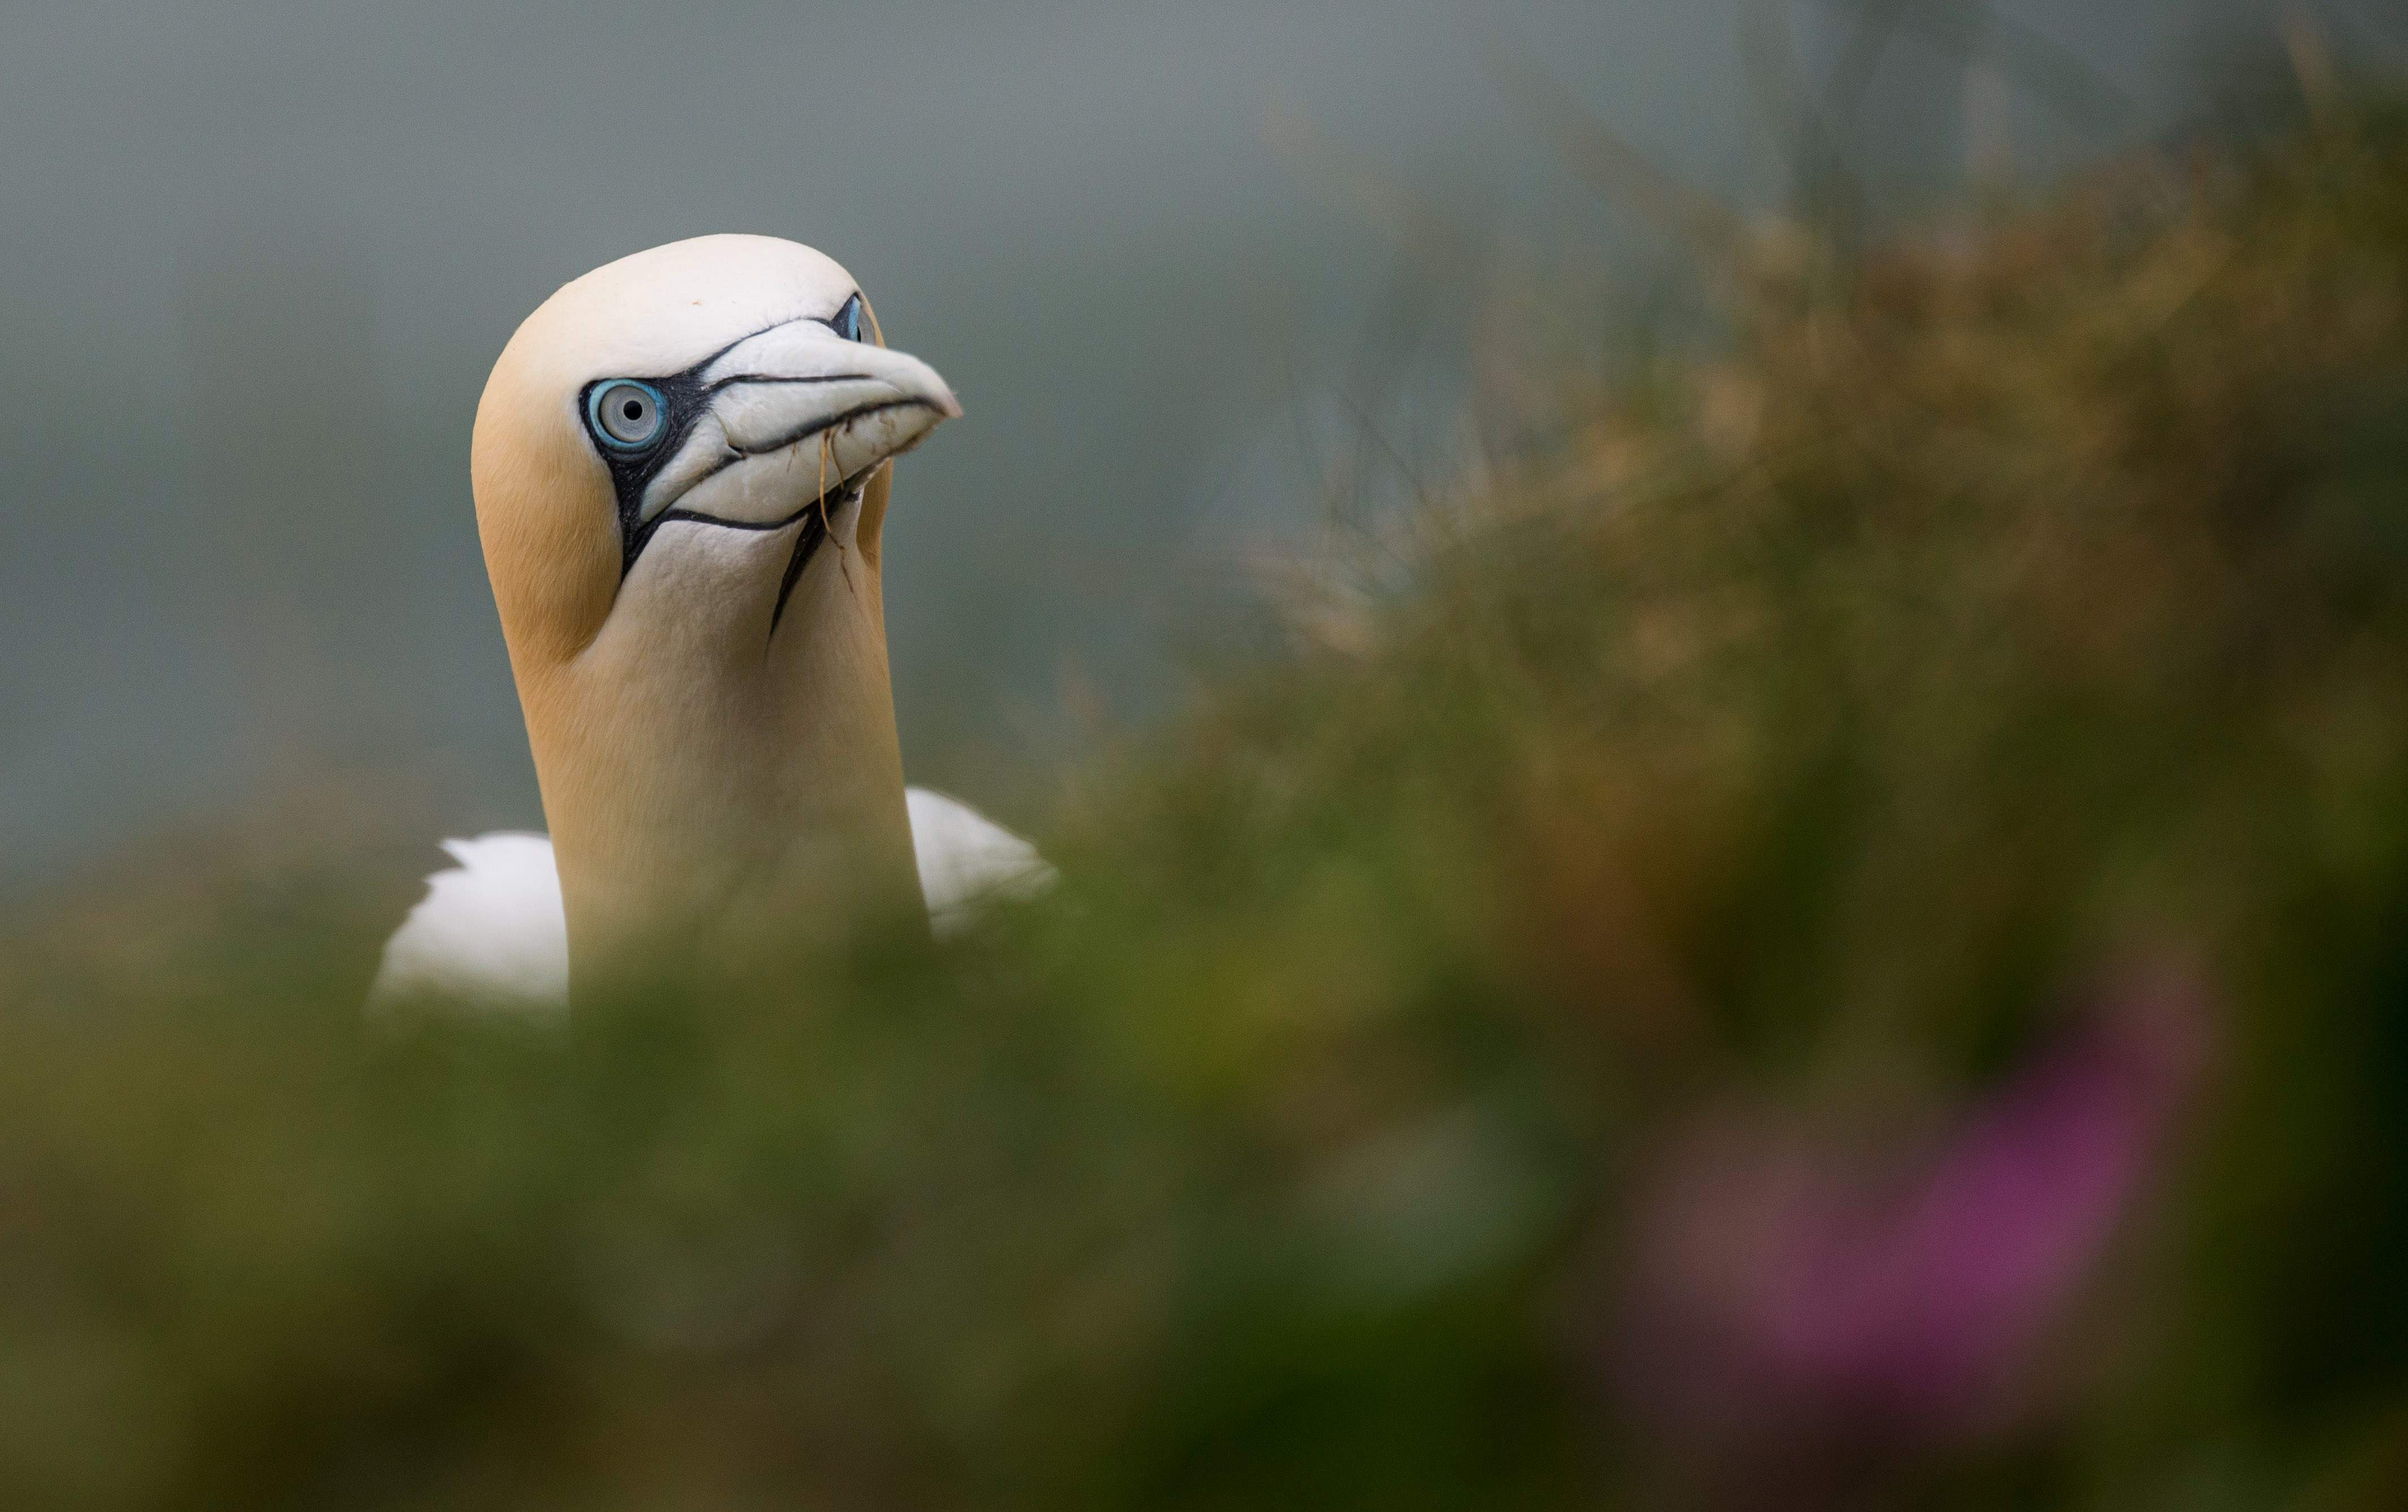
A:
682,468
713,787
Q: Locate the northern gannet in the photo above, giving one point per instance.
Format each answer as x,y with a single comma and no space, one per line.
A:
681,471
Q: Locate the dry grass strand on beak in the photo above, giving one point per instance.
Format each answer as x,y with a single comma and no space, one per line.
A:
828,448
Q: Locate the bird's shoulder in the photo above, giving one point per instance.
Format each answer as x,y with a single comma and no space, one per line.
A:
490,928
966,858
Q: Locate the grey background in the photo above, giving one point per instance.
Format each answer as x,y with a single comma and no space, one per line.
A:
257,257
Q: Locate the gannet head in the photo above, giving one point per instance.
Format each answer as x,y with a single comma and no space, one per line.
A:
681,472
656,413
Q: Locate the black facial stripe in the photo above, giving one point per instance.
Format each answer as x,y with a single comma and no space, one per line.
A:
781,379
812,517
735,455
685,398
806,544
683,403
641,533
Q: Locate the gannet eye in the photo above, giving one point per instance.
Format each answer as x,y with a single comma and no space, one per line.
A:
846,322
627,414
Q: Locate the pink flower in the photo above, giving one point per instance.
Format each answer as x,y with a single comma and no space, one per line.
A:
1786,1293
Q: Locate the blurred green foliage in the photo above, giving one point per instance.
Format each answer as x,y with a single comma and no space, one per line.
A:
1793,739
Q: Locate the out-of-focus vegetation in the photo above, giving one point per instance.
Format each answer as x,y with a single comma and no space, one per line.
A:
1833,933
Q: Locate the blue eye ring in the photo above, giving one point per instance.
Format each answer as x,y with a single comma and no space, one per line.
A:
627,414
846,321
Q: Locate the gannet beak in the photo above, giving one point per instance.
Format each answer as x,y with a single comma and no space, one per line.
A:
796,406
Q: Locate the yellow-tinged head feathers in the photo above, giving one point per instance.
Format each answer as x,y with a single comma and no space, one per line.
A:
745,335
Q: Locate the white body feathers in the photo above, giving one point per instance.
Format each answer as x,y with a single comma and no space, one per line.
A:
966,858
492,931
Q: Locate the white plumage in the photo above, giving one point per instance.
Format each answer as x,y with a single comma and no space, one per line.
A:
966,858
491,929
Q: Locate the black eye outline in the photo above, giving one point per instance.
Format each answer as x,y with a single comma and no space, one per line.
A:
601,424
846,322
